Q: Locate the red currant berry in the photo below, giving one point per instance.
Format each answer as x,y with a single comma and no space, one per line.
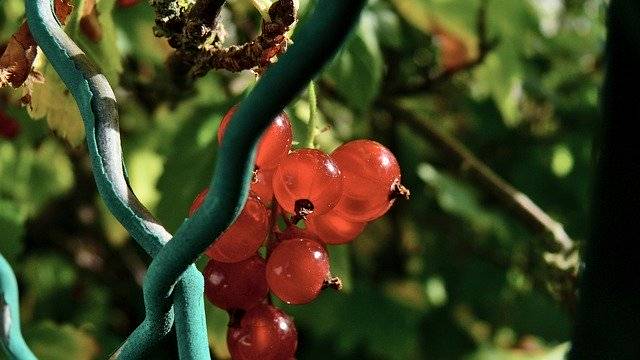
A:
264,333
370,171
274,144
334,229
297,269
262,185
127,3
245,236
307,182
9,128
239,285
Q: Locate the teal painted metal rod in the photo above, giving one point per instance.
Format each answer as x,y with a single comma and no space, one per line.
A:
97,105
317,41
11,336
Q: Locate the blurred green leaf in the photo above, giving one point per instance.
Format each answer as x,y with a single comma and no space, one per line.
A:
189,165
50,341
46,274
105,52
341,264
11,230
458,198
37,174
51,100
458,17
361,319
217,320
501,77
489,353
357,71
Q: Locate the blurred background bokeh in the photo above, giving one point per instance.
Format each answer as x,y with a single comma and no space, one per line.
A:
454,273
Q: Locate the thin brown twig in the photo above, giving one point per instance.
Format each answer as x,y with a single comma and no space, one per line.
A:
470,164
559,250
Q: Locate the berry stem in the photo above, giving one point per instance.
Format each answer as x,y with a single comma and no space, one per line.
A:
313,116
399,191
333,283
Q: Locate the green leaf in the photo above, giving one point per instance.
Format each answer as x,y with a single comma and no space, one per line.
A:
47,274
50,341
11,230
341,265
38,174
144,169
387,23
51,99
358,69
458,17
361,319
217,320
189,165
501,76
458,198
558,352
105,52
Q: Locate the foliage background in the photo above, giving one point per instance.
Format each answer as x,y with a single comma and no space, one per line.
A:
450,274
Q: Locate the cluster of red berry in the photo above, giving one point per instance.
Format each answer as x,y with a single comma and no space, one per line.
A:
335,195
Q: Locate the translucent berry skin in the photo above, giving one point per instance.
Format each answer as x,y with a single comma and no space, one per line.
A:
369,170
264,333
297,269
308,174
332,228
244,237
240,285
274,144
262,185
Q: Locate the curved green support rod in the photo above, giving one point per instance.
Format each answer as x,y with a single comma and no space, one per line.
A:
97,105
317,41
10,334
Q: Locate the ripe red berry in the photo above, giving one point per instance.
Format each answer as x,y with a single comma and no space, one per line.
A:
297,269
262,184
244,237
264,333
307,181
127,3
239,285
274,144
370,171
333,228
9,128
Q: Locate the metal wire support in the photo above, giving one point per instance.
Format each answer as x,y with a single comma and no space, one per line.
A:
11,336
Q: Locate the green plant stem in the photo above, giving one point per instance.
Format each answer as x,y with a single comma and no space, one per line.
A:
313,116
